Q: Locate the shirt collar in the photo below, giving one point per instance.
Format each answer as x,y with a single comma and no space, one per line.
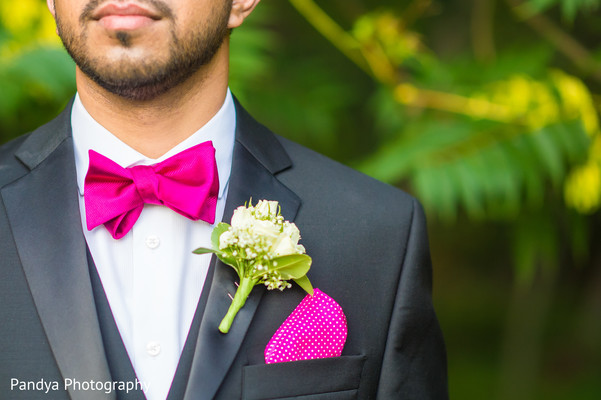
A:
88,134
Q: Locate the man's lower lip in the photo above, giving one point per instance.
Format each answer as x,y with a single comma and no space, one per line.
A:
125,22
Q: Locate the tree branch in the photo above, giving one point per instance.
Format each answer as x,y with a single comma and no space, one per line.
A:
325,25
483,30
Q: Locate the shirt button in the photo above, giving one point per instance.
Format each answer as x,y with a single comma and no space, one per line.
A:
153,348
152,242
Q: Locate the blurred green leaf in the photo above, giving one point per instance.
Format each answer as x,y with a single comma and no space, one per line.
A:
569,8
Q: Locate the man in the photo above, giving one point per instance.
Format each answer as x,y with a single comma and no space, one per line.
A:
96,310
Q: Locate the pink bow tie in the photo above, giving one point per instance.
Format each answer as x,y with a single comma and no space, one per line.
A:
187,183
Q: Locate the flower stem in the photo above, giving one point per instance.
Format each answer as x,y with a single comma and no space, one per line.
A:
246,285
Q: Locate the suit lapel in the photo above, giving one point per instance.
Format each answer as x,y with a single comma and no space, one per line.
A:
53,254
258,157
55,264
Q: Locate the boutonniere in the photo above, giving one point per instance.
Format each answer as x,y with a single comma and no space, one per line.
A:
263,249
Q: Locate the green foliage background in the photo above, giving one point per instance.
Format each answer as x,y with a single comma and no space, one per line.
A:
486,110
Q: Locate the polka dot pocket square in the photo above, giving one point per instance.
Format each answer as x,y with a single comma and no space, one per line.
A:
315,329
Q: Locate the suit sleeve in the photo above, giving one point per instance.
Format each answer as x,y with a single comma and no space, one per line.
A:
414,364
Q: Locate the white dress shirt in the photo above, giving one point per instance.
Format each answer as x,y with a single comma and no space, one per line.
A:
151,278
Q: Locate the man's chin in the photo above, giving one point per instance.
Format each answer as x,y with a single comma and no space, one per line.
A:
133,89
134,85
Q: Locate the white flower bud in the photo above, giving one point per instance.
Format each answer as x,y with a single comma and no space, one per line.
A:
225,240
242,218
267,209
292,232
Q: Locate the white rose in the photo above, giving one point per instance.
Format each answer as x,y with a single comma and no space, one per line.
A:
266,228
284,246
267,209
291,231
242,218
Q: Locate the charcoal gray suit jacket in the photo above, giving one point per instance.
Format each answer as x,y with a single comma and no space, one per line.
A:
370,253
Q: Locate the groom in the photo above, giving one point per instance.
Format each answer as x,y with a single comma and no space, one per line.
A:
96,303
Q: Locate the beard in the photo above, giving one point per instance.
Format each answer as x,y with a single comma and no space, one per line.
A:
146,78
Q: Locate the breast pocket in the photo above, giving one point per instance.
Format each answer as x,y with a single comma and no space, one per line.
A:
334,378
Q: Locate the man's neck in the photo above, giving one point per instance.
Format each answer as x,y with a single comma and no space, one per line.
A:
153,127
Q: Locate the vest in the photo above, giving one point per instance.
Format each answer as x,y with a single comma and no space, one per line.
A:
120,366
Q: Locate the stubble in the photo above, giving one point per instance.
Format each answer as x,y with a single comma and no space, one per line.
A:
145,79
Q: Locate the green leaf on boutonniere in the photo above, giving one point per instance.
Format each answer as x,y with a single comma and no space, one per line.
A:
263,249
293,266
223,256
304,283
217,231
